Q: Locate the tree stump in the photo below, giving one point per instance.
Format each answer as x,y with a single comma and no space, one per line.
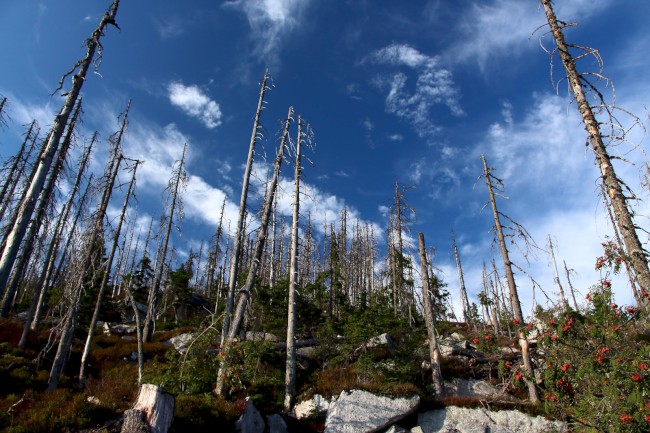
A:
152,412
134,422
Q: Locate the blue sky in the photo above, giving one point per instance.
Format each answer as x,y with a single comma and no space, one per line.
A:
412,92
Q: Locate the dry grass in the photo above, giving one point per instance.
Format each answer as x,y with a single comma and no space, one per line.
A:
330,382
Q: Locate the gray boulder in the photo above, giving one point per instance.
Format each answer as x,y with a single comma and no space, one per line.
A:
363,412
181,342
382,340
261,336
250,421
315,406
276,424
462,420
118,329
475,388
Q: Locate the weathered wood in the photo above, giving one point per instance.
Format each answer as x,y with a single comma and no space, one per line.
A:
290,371
152,412
430,320
134,422
613,185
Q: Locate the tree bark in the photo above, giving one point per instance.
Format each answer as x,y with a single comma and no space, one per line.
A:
44,202
86,270
245,291
624,219
155,286
17,167
239,233
105,278
157,407
510,278
27,205
461,282
290,373
429,318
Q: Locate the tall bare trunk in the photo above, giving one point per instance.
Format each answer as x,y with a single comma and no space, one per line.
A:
622,213
430,320
510,278
105,278
262,232
565,304
45,201
176,184
87,270
27,205
628,270
461,281
17,167
568,279
50,273
239,232
290,373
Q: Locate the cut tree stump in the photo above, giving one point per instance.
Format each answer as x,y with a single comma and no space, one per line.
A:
152,412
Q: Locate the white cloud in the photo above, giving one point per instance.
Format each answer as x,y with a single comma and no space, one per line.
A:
195,103
169,28
324,208
434,85
549,158
270,21
503,27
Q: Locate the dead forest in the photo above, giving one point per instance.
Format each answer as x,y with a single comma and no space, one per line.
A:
94,304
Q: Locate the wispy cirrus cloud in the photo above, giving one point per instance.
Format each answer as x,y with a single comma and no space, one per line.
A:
504,27
270,21
195,103
434,85
169,28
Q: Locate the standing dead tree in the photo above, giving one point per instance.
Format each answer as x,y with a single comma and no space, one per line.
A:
262,232
290,371
581,87
491,181
551,250
628,269
92,253
430,320
176,185
28,203
45,201
398,260
106,276
461,281
16,167
239,230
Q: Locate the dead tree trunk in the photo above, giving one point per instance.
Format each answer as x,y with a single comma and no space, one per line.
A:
52,275
153,412
86,271
27,205
17,168
239,232
177,182
213,256
628,270
461,281
565,304
510,278
613,184
105,278
245,291
568,280
44,202
290,373
429,318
